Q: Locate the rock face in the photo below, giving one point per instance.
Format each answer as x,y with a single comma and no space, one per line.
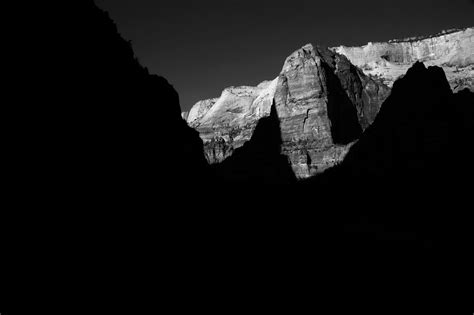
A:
452,50
185,115
322,102
325,98
227,122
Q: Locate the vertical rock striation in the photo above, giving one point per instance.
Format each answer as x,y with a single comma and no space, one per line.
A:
324,103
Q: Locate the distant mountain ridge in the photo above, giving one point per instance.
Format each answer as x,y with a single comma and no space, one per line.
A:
323,103
321,94
421,37
453,50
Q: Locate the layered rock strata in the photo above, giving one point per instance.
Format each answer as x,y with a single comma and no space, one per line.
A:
227,122
325,98
452,50
322,101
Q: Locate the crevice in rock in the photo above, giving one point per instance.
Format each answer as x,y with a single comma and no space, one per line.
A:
305,118
342,114
308,160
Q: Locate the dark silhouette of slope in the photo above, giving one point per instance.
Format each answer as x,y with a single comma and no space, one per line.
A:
101,177
414,162
409,173
419,134
259,159
92,157
107,124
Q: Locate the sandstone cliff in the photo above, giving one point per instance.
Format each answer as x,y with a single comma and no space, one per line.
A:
452,50
322,101
325,98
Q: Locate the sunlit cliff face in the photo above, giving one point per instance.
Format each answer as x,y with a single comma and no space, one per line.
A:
322,101
452,50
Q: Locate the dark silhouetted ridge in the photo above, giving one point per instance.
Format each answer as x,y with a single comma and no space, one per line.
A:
412,165
107,125
415,133
259,159
115,207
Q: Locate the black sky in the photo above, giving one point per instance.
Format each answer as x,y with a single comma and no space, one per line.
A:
203,46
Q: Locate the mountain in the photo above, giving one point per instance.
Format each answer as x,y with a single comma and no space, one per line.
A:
325,98
416,156
98,214
452,50
100,122
323,103
420,133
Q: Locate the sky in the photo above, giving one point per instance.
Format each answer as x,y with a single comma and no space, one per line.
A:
204,46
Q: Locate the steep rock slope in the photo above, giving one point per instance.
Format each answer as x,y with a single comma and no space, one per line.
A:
322,101
452,50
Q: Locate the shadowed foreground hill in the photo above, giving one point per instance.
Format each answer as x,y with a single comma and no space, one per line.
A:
110,130
413,165
258,161
88,160
107,125
420,136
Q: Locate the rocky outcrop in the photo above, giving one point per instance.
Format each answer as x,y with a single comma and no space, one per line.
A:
322,101
452,50
227,122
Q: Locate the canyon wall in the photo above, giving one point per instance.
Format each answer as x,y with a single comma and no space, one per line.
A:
325,98
322,102
452,50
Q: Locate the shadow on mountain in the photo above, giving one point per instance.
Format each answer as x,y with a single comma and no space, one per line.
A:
412,164
342,113
259,160
419,135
